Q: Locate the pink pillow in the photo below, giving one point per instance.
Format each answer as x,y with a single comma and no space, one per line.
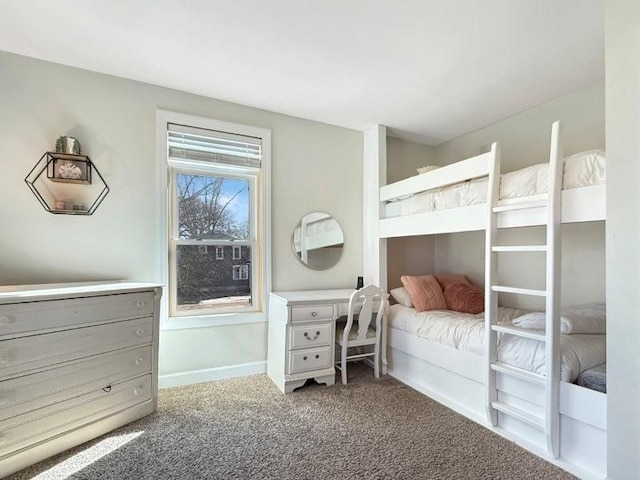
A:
425,292
464,297
446,280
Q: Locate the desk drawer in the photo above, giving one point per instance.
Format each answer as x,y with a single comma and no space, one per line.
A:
28,353
310,335
311,359
311,312
30,392
32,427
32,317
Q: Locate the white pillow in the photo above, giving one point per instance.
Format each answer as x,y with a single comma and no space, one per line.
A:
401,295
589,318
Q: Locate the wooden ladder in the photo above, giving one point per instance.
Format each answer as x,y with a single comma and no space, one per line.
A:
549,423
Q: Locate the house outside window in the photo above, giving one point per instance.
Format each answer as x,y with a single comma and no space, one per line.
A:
215,178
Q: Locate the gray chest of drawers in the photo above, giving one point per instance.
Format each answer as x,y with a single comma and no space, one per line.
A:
76,361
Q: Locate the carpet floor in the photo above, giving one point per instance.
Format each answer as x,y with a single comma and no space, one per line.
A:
246,429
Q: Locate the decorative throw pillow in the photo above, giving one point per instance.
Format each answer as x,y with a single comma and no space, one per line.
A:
401,296
425,292
446,280
464,297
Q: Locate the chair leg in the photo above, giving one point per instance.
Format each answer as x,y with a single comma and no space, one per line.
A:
376,360
383,346
343,363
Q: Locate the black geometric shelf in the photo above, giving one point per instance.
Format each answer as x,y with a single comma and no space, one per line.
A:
67,184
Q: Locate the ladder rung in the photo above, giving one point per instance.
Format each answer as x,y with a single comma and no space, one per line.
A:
517,372
521,415
520,332
519,291
520,248
519,206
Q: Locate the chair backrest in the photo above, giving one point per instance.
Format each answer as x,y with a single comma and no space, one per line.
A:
373,300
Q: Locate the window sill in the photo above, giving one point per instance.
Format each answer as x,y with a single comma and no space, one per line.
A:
214,320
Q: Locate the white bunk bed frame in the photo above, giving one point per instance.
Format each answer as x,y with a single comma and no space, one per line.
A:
317,240
559,421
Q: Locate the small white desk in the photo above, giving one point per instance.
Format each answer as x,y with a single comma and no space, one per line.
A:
302,336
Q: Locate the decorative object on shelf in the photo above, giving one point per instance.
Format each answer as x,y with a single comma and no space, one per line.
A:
69,145
65,167
427,168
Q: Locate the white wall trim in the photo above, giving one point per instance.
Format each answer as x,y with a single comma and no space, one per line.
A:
164,117
171,380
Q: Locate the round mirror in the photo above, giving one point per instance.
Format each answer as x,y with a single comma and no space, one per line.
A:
318,240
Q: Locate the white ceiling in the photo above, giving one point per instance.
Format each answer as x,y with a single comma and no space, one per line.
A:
431,70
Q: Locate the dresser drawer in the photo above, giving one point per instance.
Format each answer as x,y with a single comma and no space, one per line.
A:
28,353
310,335
30,392
311,312
32,427
20,318
311,359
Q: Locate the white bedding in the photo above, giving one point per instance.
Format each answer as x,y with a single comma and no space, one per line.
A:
465,332
580,170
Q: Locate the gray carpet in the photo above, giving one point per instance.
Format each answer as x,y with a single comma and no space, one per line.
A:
246,429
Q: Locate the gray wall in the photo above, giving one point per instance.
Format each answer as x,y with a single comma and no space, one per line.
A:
623,237
315,167
407,255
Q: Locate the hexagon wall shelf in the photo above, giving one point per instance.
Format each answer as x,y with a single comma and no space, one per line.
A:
67,184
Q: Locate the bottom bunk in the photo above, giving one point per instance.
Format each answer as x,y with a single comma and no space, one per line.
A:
456,379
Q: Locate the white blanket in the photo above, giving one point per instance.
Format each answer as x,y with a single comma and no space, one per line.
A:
580,170
466,332
591,318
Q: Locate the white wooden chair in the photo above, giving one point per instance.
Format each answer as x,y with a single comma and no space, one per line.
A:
366,304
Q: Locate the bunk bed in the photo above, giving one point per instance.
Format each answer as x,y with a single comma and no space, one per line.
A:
315,231
561,421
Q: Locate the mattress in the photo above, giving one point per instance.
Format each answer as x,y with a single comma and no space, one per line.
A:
594,378
465,332
580,170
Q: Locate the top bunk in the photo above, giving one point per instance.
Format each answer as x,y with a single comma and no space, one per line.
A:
453,198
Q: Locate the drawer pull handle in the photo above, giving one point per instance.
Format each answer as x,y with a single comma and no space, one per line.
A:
137,391
314,314
107,389
5,320
304,358
139,361
317,355
140,331
140,303
306,335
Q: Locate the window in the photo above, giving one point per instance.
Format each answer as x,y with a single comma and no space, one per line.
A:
240,272
215,178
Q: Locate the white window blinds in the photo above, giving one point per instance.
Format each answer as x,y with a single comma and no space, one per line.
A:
210,146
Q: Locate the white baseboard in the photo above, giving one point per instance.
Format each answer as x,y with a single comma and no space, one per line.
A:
210,374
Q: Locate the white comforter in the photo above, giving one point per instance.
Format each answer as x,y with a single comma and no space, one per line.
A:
580,170
465,332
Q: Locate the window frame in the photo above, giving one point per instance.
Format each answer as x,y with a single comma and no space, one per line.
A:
261,192
243,272
233,252
213,171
